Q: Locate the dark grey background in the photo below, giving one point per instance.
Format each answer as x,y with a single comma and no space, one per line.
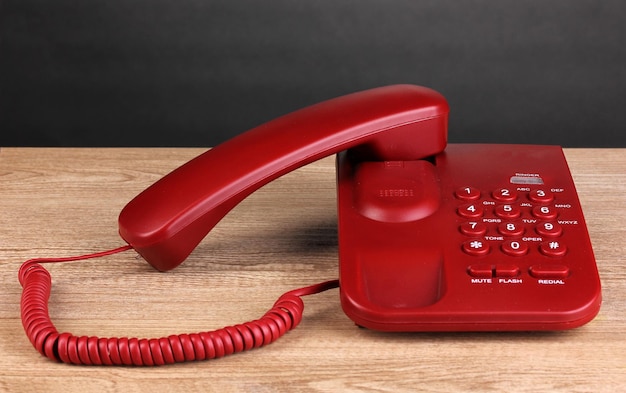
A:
193,73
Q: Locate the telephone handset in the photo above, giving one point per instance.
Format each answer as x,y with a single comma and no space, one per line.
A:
464,237
166,221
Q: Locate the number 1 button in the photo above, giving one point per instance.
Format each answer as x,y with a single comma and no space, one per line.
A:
467,193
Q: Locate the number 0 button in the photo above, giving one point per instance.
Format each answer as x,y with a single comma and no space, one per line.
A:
515,248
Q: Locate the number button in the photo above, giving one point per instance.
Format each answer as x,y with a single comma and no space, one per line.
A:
541,196
515,248
545,212
476,229
511,229
471,211
505,195
508,211
467,193
549,229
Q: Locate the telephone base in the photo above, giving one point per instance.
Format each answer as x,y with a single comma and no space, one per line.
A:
500,242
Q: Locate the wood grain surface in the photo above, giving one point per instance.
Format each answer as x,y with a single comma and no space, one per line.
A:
59,202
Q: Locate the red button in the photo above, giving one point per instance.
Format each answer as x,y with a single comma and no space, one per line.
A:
505,195
508,211
549,229
549,271
467,193
475,229
480,271
541,196
471,211
506,270
545,212
511,229
553,249
476,247
515,248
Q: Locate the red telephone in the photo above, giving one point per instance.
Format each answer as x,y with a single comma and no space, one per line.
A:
431,238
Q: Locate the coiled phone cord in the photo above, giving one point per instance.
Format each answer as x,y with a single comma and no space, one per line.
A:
36,282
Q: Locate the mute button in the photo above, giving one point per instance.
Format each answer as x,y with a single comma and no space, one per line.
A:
480,271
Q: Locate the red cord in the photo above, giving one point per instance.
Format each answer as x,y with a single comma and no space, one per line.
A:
36,282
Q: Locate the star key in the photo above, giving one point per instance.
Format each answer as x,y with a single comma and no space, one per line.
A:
476,247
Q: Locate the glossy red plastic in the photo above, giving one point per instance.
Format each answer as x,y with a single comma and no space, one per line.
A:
167,221
451,270
473,237
36,281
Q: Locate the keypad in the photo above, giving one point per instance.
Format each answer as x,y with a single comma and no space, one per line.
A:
514,223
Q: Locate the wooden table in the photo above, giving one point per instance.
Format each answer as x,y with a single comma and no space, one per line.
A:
57,202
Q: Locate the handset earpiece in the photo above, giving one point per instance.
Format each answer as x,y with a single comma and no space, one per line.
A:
166,222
